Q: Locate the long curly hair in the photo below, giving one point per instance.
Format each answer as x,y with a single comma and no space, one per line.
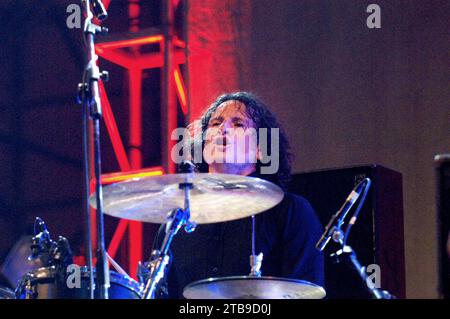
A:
261,115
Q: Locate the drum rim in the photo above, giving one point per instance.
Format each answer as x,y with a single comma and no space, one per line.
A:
49,272
40,273
120,279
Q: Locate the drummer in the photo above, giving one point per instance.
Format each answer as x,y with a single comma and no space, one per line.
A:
285,234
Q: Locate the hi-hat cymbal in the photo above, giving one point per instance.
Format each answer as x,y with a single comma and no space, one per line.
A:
213,198
253,287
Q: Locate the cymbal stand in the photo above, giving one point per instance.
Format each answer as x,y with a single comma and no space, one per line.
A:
255,260
160,258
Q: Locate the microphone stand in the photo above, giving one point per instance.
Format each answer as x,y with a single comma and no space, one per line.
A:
346,253
89,96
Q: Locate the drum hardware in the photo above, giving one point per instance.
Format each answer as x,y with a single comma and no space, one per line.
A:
177,219
253,286
49,252
55,255
255,264
206,198
45,282
51,283
41,243
255,260
59,278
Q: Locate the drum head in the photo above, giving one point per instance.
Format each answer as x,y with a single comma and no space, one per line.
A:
253,287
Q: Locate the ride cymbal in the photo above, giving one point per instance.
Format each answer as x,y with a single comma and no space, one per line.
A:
213,197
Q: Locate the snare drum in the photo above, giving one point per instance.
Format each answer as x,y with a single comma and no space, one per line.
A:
48,283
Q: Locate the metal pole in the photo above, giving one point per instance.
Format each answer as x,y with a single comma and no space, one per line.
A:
91,96
168,101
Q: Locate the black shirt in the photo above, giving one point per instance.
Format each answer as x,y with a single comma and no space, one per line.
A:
285,234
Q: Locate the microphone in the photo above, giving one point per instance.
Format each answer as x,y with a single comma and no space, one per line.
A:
99,10
338,218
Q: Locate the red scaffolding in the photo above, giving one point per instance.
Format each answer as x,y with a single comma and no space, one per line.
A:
124,50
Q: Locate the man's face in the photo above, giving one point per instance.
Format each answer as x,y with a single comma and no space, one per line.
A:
231,136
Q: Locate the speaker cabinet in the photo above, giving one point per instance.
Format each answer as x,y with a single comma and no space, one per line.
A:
377,237
443,209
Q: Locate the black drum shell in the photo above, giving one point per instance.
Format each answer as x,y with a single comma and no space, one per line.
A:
47,283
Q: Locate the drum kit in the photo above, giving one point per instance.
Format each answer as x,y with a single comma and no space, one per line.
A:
176,201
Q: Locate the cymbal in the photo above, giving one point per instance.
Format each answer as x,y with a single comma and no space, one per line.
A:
213,197
253,287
